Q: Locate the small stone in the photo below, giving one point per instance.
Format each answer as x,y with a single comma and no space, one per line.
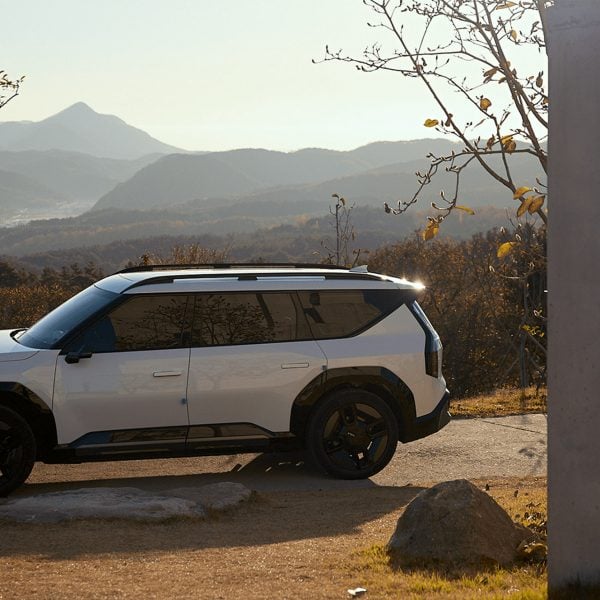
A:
357,592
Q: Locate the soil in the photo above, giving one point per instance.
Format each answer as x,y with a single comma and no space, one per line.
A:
300,535
280,544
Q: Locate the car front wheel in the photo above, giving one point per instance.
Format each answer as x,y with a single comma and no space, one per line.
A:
17,450
352,434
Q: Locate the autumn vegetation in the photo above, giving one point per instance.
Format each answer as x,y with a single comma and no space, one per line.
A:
488,313
474,58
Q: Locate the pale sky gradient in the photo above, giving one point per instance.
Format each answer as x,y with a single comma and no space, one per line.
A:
210,74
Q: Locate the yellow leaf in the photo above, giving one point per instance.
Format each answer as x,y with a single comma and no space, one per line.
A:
519,192
536,203
505,139
431,122
525,203
505,5
513,34
466,209
484,103
505,249
431,230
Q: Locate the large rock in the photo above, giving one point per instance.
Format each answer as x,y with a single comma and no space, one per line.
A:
215,496
456,523
123,503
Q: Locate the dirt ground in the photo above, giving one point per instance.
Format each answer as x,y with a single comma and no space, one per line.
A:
295,544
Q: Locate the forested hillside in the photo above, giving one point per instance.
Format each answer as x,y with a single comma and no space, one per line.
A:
96,237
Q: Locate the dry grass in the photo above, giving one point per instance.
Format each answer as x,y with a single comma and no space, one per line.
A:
501,403
281,545
525,501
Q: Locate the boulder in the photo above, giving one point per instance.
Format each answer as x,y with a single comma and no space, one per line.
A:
456,523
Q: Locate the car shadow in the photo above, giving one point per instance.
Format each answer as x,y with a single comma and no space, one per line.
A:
263,472
293,503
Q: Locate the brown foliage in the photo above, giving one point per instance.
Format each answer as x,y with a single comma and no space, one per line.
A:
191,254
489,311
476,302
23,305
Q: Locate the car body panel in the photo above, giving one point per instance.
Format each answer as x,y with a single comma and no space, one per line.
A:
10,349
254,383
396,343
119,390
35,373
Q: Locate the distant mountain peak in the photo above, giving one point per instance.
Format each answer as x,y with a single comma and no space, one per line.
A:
79,113
79,107
79,128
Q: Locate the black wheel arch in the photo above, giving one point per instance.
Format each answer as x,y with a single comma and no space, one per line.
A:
377,380
34,410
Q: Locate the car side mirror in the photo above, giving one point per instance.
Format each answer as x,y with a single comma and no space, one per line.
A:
74,357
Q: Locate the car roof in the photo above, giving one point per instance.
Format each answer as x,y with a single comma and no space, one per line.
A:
238,276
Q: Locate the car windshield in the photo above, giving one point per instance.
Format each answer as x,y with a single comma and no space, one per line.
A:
58,323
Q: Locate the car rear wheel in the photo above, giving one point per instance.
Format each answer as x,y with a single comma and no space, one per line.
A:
352,434
17,450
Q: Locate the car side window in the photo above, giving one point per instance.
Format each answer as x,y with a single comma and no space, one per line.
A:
140,323
341,313
247,318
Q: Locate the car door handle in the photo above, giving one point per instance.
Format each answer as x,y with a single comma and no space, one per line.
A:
167,373
298,365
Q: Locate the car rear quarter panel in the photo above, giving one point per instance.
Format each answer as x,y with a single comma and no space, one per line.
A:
398,344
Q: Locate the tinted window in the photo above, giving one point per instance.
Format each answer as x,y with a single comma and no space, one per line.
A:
341,313
140,323
246,318
58,323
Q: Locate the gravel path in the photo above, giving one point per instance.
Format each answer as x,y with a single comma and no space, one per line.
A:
467,448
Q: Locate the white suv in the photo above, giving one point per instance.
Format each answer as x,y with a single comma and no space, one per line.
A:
165,361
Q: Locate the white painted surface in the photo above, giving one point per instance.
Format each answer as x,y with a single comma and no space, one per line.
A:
250,383
118,390
36,372
398,344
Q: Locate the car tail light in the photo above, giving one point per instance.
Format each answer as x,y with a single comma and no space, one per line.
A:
433,345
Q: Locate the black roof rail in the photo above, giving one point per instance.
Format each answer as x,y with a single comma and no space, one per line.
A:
174,267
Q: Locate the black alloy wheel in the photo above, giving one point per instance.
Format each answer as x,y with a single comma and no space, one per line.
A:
17,450
353,434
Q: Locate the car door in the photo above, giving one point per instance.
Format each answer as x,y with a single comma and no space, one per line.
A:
252,354
120,385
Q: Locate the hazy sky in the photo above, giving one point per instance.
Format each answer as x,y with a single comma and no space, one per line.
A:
210,74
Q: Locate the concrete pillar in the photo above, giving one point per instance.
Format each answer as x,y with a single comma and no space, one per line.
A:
574,293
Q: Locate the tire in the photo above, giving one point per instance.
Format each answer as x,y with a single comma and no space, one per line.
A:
17,450
352,434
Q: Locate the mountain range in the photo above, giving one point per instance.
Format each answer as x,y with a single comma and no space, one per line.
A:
179,178
135,186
